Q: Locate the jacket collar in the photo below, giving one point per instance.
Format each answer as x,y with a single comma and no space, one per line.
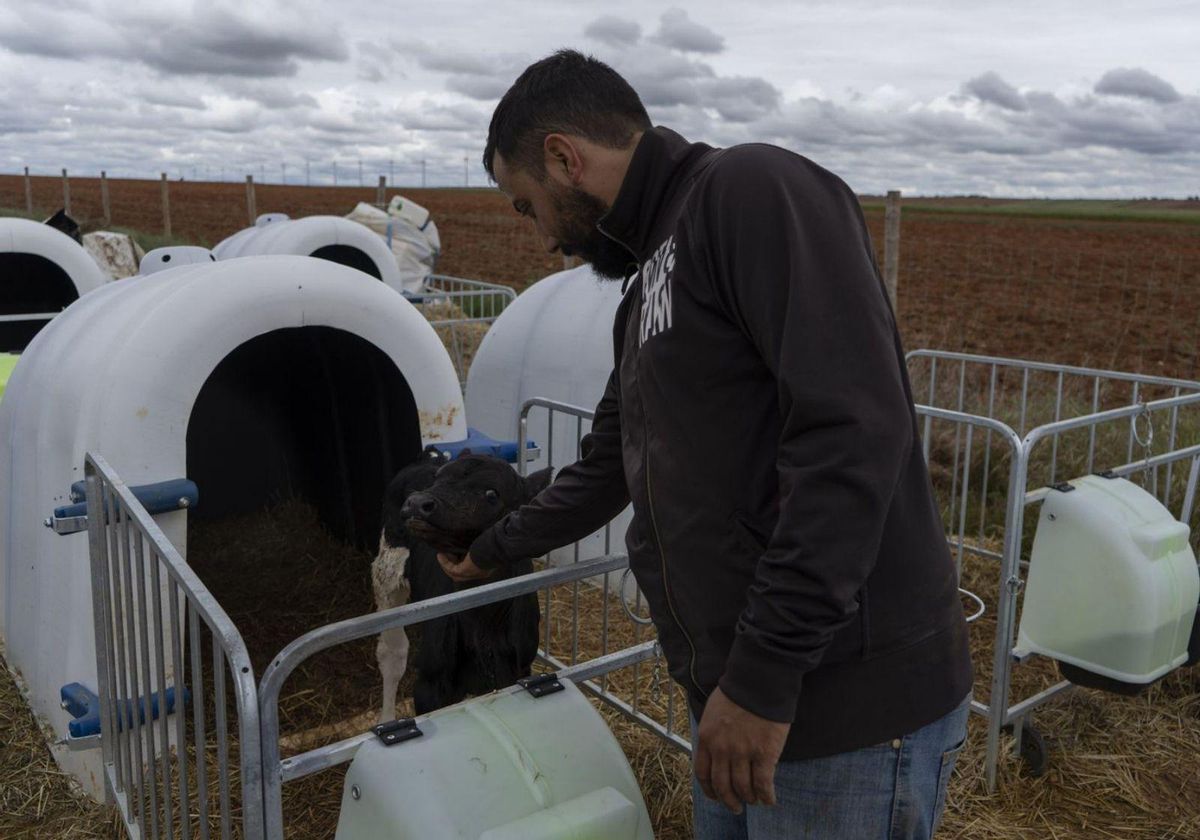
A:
659,160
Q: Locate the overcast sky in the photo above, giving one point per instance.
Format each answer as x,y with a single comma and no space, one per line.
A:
1019,98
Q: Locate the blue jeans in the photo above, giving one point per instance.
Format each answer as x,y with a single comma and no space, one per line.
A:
891,791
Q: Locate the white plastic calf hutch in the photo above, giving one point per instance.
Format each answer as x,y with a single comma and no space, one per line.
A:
324,237
553,345
42,271
251,378
174,256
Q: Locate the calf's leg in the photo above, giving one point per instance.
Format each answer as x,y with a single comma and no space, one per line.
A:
391,589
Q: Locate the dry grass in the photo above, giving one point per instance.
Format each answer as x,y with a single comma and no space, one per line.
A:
37,800
1119,767
1125,767
461,340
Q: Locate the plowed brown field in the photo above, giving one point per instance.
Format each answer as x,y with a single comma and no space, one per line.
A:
1114,294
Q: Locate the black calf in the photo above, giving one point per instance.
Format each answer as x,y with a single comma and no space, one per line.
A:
435,506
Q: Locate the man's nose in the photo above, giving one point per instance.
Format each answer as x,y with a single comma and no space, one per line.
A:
419,505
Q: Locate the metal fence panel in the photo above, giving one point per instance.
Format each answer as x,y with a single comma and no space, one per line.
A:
164,648
647,695
997,432
461,310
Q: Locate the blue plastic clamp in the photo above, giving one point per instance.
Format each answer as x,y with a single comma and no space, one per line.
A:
83,705
160,497
480,444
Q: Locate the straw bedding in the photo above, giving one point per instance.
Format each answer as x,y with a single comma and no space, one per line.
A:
1119,767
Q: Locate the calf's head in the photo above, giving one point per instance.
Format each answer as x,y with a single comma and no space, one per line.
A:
468,495
414,477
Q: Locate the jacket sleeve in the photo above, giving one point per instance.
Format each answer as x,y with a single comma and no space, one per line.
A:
581,500
790,259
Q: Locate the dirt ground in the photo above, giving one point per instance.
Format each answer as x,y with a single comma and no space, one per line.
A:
1111,293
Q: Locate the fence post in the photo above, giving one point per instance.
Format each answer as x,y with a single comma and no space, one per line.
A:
381,191
28,193
891,244
66,193
166,204
105,207
250,199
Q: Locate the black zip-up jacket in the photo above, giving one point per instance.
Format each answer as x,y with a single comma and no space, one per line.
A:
760,419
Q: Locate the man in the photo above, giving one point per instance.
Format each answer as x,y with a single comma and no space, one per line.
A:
759,419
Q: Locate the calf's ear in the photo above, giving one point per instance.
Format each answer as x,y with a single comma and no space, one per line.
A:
537,482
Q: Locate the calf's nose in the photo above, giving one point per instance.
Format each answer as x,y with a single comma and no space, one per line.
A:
419,505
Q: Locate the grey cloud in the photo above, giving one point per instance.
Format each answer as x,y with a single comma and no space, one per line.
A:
678,31
484,88
454,118
274,95
377,61
171,99
1139,83
741,99
613,31
218,42
333,124
447,59
481,76
210,41
991,88
1124,134
35,32
453,62
666,93
663,79
238,121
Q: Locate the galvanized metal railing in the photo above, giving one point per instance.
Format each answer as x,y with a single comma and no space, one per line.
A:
460,310
164,644
1041,423
478,301
659,707
277,771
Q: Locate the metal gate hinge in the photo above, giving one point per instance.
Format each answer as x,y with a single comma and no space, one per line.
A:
540,685
397,731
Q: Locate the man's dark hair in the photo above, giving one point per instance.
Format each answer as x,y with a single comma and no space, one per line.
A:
567,93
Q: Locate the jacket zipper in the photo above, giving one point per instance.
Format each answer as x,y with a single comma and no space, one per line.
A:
662,557
663,561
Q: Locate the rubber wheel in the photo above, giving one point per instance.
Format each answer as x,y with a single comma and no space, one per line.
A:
1033,751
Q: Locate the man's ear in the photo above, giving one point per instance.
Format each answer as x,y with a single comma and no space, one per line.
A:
563,160
537,482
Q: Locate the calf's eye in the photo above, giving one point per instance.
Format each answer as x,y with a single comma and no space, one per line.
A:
491,495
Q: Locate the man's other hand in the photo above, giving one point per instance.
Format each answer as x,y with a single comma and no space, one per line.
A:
462,569
736,754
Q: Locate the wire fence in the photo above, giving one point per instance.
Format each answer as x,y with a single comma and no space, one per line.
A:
1109,294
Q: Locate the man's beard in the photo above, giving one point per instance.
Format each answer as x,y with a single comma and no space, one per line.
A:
578,213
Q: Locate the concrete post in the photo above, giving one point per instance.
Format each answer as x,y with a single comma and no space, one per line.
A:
105,207
891,244
166,206
250,211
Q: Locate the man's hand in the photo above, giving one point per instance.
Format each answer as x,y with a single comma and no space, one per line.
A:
462,569
736,754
